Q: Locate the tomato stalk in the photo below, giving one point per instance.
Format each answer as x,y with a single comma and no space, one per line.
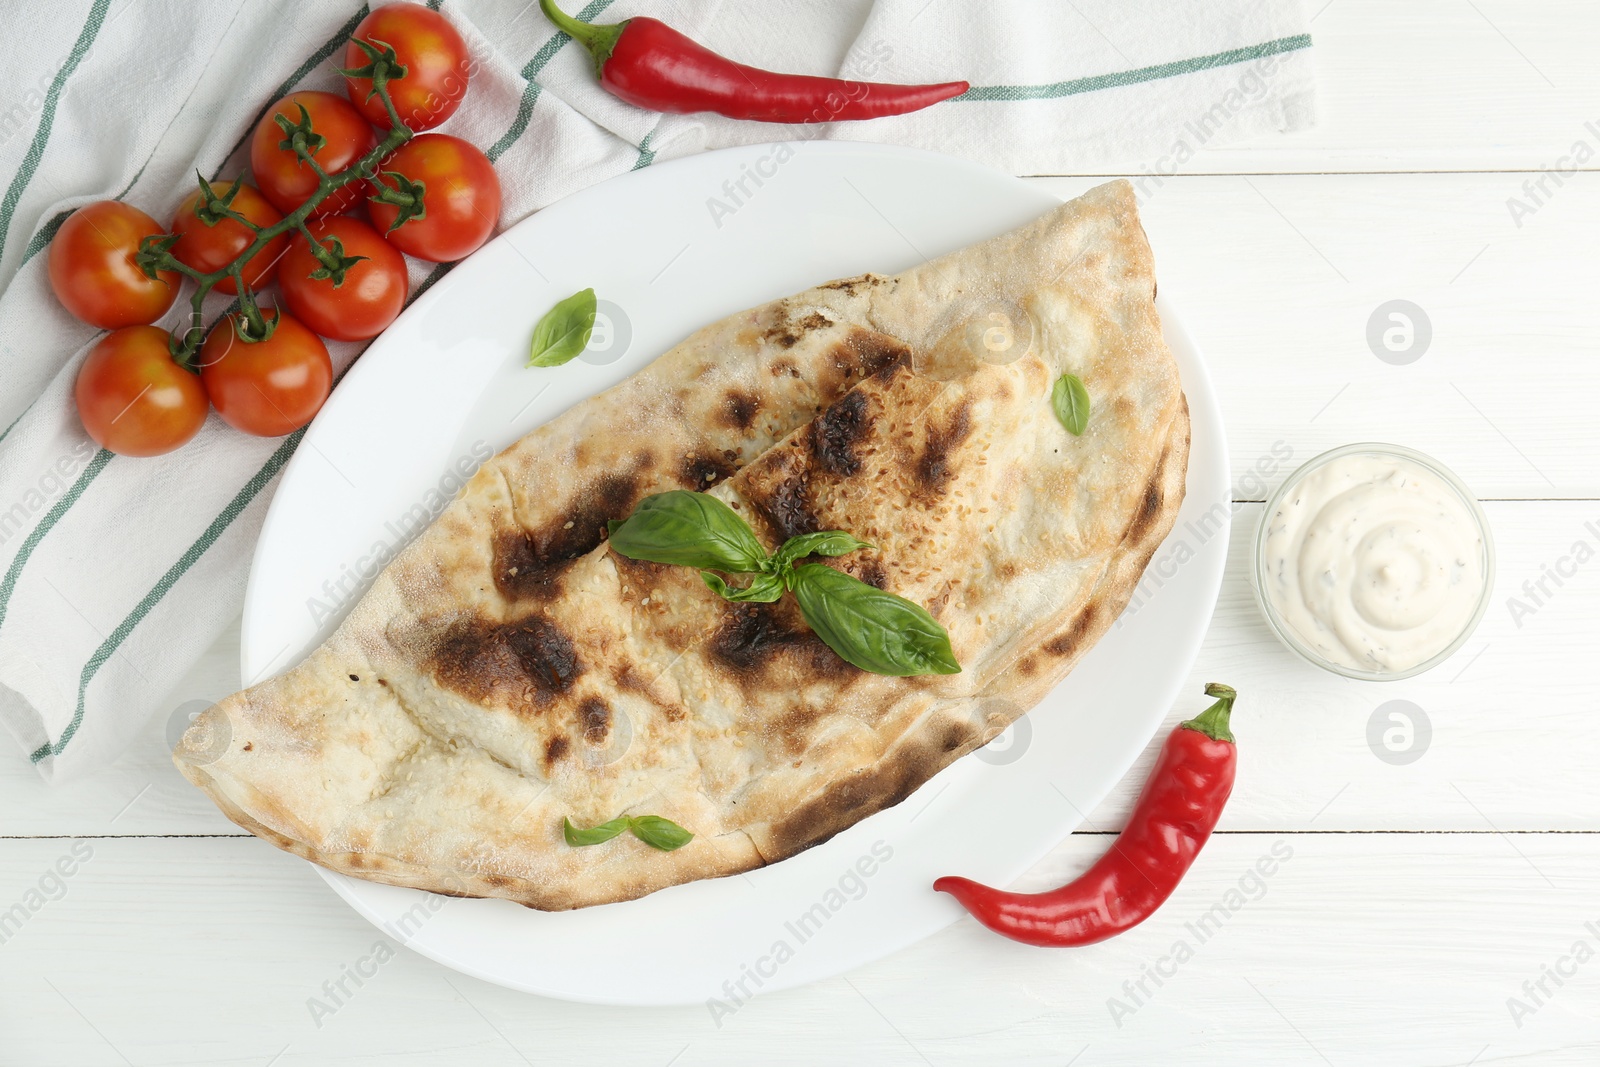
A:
155,253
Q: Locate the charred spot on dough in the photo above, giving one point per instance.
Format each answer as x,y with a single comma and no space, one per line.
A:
846,802
749,636
850,286
528,564
518,571
786,332
933,466
1066,644
783,366
629,678
594,719
955,736
870,351
497,881
793,727
480,659
1149,510
836,432
753,637
739,409
356,860
644,460
555,748
703,471
1028,667
780,490
871,571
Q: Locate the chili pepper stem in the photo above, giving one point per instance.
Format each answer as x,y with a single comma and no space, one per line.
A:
598,41
1213,722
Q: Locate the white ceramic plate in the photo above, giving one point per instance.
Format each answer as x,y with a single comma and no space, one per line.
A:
446,385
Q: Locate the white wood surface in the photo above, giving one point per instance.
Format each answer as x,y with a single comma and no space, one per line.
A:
1417,898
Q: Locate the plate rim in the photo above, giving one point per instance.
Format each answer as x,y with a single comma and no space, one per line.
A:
1199,390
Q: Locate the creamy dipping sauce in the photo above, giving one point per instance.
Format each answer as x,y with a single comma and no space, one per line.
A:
1374,562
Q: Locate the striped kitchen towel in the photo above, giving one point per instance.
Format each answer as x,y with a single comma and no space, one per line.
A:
116,573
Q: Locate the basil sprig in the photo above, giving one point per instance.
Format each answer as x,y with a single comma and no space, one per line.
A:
564,331
1070,399
866,626
653,830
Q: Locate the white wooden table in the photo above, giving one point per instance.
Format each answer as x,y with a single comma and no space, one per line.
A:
1418,898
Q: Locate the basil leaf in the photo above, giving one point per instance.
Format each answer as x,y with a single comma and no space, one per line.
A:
660,833
564,331
766,588
689,530
1071,402
594,835
824,543
874,630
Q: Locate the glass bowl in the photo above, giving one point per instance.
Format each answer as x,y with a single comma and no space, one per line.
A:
1287,634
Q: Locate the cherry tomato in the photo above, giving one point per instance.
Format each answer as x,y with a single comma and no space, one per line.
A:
284,178
133,399
371,295
210,248
462,198
271,387
92,269
435,58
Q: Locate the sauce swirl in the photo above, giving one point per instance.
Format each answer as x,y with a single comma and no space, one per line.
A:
1374,562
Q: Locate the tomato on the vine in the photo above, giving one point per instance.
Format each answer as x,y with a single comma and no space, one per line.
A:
364,301
132,397
93,272
209,248
461,198
269,387
284,178
435,58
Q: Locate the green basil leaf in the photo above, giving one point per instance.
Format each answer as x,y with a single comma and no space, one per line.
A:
876,631
594,835
689,530
824,543
1071,401
660,833
564,331
764,589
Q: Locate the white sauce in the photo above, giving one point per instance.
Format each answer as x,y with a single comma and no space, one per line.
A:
1374,562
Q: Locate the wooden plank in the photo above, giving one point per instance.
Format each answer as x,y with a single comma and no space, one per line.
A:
1432,85
141,792
1278,277
1353,949
1514,719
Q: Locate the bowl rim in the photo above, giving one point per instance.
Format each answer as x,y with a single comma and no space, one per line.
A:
1286,634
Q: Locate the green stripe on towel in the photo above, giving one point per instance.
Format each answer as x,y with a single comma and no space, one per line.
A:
1056,90
47,117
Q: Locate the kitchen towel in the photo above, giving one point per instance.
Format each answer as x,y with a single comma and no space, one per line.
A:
117,573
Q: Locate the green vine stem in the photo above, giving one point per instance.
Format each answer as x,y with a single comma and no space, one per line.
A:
155,253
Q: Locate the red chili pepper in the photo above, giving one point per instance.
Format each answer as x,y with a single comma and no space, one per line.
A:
1174,818
652,65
